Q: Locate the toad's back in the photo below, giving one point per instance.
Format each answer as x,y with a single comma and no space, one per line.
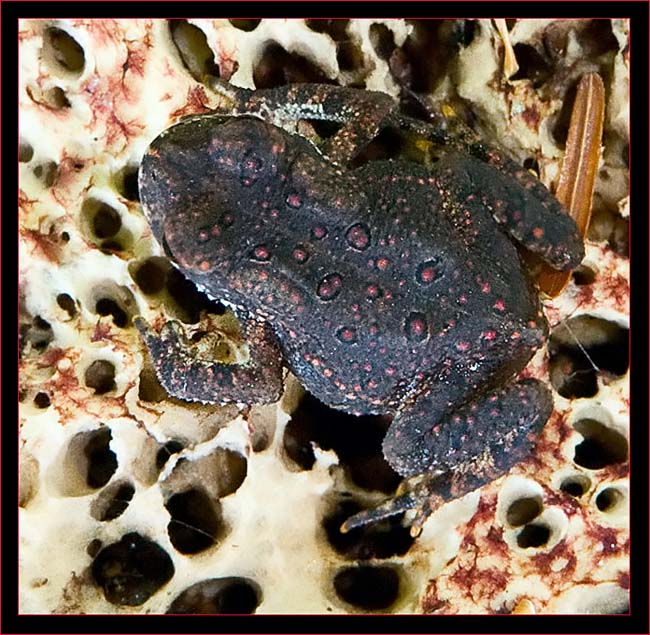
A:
368,277
393,285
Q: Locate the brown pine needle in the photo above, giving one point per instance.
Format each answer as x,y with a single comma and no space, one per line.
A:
579,167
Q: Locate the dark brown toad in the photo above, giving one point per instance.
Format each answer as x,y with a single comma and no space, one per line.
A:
387,288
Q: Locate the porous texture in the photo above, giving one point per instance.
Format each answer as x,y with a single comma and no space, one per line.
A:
134,502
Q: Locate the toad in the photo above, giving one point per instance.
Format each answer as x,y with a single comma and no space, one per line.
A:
389,287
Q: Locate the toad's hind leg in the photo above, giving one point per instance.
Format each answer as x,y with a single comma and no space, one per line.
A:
518,200
448,456
498,424
198,378
525,209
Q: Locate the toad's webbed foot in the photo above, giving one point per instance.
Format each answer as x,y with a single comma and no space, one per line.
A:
425,493
186,373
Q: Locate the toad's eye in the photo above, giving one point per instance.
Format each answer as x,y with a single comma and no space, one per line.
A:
250,168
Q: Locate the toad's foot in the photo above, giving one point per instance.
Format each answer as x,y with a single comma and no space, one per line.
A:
189,375
425,493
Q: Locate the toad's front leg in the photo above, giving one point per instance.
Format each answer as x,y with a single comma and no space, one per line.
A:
362,113
186,374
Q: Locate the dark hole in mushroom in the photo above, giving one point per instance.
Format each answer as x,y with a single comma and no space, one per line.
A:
113,501
277,67
533,536
584,275
532,65
245,25
382,40
93,547
190,299
597,37
602,446
466,31
100,376
445,37
356,441
218,596
41,324
101,460
560,128
195,523
106,221
370,588
108,306
232,467
67,304
174,446
348,55
523,510
532,165
38,333
151,274
46,173
63,49
583,347
42,400
131,570
25,152
608,499
126,181
575,485
56,98
149,387
111,246
193,48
